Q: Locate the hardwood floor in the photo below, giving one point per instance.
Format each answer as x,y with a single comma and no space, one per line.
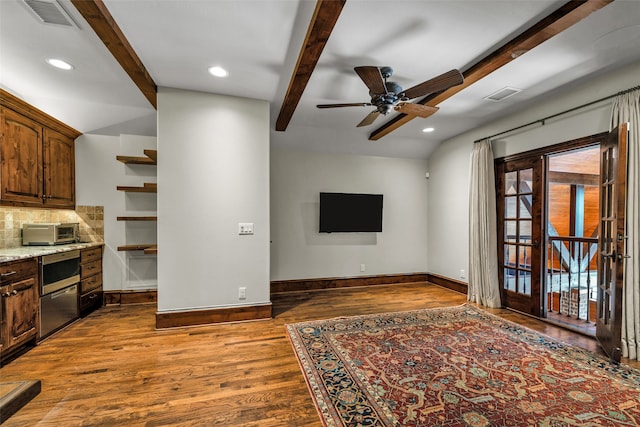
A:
113,368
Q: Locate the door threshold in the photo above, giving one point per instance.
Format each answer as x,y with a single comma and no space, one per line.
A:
587,331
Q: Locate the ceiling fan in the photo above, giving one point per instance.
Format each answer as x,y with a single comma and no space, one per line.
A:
389,96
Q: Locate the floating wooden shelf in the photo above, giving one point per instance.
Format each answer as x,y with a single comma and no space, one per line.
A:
151,250
150,159
140,247
148,187
137,218
152,154
133,160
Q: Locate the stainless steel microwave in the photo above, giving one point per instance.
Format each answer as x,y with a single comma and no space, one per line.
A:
49,233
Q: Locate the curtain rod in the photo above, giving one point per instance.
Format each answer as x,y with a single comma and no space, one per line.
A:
559,114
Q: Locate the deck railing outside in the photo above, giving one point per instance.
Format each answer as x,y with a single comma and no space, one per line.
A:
572,276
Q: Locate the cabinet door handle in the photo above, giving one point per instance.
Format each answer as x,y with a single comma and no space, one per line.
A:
10,293
10,273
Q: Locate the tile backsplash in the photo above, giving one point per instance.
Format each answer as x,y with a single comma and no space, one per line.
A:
90,218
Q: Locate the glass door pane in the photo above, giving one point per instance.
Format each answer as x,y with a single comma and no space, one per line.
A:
520,230
519,215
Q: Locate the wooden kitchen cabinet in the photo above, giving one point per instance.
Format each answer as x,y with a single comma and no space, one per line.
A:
90,295
37,158
59,170
21,154
19,304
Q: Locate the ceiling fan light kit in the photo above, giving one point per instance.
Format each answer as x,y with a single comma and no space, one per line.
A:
389,96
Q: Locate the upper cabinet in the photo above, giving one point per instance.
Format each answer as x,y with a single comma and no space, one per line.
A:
21,154
59,170
37,159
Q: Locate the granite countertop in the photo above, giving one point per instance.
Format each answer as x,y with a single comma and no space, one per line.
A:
23,252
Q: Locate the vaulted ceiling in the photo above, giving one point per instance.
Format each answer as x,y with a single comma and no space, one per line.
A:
300,53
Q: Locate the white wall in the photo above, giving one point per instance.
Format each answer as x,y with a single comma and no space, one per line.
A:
98,173
299,251
213,173
449,164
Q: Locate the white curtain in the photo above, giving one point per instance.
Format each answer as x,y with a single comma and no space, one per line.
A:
626,108
484,287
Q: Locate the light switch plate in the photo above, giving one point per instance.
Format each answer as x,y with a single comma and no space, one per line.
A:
245,228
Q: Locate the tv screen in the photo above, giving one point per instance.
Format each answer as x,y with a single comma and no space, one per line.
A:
347,213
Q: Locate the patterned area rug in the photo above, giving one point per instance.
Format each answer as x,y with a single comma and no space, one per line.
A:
457,366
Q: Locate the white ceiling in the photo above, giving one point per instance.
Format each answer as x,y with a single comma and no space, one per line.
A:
258,41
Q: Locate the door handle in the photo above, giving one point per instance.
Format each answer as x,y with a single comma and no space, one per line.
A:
63,292
535,244
621,257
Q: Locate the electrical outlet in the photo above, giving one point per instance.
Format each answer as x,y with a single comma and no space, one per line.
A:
245,228
242,292
362,267
462,275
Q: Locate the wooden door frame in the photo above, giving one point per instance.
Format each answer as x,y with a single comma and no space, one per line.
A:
525,303
611,243
544,152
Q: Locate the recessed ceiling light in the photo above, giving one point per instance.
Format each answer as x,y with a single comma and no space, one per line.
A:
427,130
218,71
59,63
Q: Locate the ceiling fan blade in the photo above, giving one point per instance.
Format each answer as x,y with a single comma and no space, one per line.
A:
353,104
372,77
436,84
418,110
371,117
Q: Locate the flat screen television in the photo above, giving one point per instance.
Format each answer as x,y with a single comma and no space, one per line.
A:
350,213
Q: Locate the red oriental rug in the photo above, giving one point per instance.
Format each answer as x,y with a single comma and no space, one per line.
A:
457,366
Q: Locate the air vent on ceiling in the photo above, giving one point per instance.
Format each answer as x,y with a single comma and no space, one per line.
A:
503,93
50,12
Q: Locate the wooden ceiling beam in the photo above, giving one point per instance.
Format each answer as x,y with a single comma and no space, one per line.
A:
573,178
97,15
559,20
324,19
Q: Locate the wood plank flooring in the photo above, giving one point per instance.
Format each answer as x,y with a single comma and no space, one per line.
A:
113,368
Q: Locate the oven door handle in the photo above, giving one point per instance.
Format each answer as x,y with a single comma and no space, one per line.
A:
63,292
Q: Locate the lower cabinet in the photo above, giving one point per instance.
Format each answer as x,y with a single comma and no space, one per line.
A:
18,303
90,295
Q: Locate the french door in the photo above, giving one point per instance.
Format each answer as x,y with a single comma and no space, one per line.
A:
611,244
519,185
521,190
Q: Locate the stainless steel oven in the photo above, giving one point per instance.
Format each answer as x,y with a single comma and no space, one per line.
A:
59,283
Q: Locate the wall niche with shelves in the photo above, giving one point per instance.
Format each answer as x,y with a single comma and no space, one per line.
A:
150,158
